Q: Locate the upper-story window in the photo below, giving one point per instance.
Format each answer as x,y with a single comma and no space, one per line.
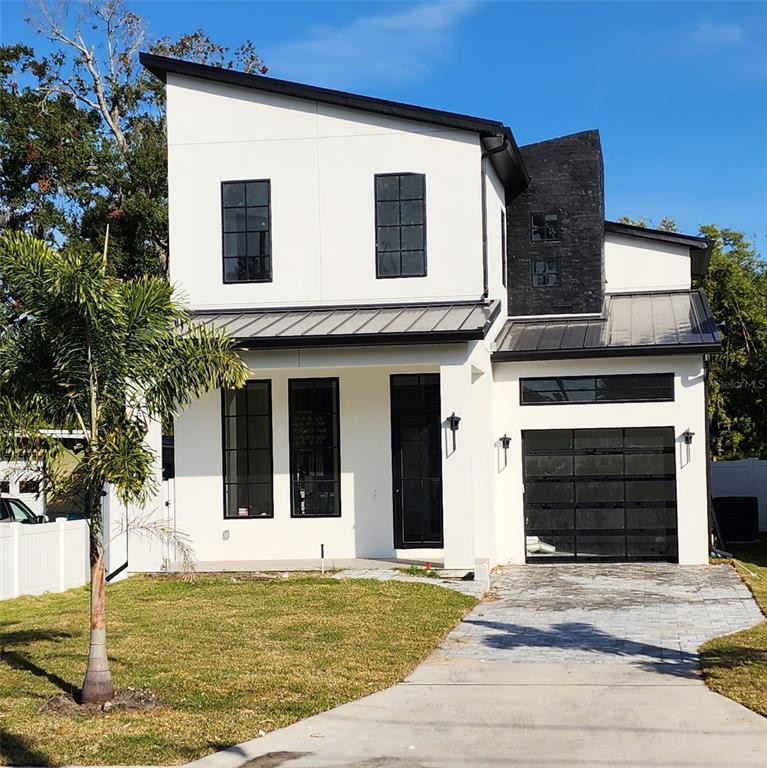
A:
545,273
400,225
544,226
246,220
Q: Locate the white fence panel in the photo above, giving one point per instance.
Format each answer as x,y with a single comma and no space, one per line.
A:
50,557
7,561
747,477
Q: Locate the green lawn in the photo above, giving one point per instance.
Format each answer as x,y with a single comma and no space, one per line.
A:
736,665
225,658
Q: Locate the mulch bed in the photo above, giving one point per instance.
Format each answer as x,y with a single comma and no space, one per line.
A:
124,700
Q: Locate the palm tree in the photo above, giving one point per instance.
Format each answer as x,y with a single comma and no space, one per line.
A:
82,349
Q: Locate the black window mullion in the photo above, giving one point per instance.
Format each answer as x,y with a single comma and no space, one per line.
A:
392,263
245,266
239,418
311,448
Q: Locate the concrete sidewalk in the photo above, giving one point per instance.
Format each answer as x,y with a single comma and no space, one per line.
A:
569,666
456,713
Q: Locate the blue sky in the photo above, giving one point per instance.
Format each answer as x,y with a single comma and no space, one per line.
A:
678,90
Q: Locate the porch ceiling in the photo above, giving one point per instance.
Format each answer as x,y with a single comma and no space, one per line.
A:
653,323
368,324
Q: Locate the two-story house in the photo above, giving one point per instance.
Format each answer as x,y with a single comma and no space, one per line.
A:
453,356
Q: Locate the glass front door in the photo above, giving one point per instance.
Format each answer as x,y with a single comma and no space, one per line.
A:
416,460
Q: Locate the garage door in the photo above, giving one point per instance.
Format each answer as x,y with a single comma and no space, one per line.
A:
600,494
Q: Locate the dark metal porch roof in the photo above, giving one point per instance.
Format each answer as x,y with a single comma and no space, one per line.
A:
355,325
668,322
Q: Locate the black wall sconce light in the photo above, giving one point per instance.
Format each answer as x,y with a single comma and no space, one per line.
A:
452,422
505,442
687,437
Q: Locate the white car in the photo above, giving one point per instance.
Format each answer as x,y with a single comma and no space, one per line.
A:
16,511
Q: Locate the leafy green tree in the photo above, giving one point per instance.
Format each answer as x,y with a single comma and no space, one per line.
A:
88,350
665,225
82,131
736,287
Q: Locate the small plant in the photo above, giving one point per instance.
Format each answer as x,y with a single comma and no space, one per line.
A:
417,570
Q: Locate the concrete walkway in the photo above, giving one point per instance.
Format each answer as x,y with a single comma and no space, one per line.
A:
568,666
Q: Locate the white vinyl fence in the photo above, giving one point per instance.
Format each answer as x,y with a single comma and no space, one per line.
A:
50,557
747,477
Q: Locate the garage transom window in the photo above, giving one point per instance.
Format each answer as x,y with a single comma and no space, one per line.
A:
600,494
630,388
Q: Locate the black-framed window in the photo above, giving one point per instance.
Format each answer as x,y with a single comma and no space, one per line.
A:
247,231
315,448
29,486
247,440
619,388
544,226
545,273
504,255
400,200
5,486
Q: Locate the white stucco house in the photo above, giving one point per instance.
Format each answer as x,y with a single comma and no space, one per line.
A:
453,356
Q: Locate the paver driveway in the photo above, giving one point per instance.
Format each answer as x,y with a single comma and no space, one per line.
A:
569,667
609,614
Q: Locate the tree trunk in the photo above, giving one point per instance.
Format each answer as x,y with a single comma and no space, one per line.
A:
97,686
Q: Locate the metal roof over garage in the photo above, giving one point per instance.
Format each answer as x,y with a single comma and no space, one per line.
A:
349,325
668,322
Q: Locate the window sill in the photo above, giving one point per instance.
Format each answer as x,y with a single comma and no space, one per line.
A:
398,277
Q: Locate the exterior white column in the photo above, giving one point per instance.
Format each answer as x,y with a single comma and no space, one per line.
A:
457,480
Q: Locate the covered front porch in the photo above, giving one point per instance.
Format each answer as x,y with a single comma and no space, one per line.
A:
389,482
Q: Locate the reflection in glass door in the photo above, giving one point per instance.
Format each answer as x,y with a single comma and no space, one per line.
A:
416,460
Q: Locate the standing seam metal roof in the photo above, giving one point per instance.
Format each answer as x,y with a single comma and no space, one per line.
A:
364,324
664,322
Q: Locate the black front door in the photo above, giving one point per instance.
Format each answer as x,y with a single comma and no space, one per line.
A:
416,460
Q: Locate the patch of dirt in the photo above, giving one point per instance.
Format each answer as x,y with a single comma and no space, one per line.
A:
232,576
125,700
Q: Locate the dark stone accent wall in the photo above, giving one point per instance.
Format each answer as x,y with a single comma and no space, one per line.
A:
566,176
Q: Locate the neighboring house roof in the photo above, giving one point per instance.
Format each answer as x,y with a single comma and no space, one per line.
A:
668,322
507,162
355,325
700,247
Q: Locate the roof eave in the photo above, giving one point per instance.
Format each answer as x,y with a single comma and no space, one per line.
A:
360,340
711,348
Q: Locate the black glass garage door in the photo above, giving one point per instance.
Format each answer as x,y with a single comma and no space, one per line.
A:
600,494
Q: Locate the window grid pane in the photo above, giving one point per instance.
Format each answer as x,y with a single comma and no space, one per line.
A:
246,219
248,467
544,226
400,225
314,431
650,387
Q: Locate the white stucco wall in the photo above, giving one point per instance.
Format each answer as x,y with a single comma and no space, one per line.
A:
687,411
636,264
321,161
495,198
365,528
